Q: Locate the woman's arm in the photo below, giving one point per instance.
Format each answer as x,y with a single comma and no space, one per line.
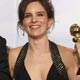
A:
74,73
4,67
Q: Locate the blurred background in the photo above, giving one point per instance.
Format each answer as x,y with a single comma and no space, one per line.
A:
67,12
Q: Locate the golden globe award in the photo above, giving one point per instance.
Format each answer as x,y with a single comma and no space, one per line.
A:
75,32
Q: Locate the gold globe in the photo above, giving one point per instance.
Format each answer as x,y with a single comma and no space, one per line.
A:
75,32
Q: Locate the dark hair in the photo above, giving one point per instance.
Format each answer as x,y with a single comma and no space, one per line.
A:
45,3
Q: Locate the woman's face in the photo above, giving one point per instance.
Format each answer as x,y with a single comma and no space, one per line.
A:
35,20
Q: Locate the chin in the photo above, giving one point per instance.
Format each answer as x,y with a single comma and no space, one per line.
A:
36,36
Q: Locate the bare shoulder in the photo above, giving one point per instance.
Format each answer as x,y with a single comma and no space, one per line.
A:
65,50
13,54
67,56
14,51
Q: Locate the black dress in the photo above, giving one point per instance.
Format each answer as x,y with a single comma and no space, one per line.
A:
4,67
56,72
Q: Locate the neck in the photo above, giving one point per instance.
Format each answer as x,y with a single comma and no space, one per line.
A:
39,46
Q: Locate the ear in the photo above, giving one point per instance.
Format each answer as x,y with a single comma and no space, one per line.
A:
50,22
23,26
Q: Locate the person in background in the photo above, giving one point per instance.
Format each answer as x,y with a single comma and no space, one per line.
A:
4,66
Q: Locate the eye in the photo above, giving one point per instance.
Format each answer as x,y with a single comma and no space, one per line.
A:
40,14
27,16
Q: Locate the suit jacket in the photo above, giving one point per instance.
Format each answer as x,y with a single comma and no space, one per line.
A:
4,66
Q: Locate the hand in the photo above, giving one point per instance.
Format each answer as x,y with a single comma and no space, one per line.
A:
72,74
77,46
77,57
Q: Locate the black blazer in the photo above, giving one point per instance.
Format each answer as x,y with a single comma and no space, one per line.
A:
4,66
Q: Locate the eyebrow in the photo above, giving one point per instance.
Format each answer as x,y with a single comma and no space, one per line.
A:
37,12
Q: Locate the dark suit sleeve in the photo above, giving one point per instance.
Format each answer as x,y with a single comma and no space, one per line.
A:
4,66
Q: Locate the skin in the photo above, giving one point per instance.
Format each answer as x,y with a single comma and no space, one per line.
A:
38,59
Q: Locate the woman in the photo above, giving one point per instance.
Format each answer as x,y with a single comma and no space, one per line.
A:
40,59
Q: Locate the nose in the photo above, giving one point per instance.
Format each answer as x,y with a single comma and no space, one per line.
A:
34,19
